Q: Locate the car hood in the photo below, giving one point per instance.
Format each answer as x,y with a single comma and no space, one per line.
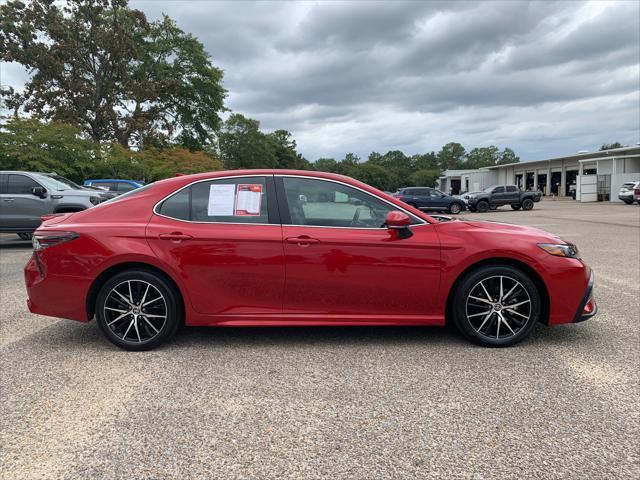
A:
71,192
510,229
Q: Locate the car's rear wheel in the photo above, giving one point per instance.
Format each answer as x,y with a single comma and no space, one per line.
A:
138,310
527,204
628,202
482,206
496,306
25,236
516,206
455,208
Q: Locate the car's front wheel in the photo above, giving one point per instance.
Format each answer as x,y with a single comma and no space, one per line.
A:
138,310
455,208
482,206
496,306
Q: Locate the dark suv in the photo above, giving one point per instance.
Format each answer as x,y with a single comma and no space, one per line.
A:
499,195
426,198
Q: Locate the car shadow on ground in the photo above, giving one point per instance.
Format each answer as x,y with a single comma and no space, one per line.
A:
70,335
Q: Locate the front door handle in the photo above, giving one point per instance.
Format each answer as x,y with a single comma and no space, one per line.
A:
174,236
8,199
302,240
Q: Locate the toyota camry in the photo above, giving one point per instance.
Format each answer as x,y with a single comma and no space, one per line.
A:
296,248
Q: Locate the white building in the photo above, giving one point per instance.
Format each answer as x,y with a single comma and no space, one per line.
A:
595,176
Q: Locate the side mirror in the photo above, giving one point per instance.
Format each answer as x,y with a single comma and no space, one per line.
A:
39,192
398,222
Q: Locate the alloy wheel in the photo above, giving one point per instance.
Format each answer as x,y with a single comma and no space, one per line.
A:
455,208
135,311
498,307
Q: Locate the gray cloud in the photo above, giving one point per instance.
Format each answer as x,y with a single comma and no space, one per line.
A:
544,78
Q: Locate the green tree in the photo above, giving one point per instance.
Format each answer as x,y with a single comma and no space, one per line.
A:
32,145
424,178
425,161
371,174
481,157
451,156
326,165
243,145
611,146
102,66
285,151
507,156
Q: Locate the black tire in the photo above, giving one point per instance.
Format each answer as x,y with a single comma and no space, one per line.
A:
468,314
628,202
516,206
455,208
25,236
482,206
472,209
109,305
527,204
493,207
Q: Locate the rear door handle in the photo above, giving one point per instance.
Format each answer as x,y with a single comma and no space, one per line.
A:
302,240
8,199
174,236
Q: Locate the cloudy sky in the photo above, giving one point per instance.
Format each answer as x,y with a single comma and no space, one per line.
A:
543,78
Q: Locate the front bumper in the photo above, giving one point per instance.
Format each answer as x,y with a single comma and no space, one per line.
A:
588,307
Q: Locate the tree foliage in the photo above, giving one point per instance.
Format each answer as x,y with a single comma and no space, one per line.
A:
611,146
102,66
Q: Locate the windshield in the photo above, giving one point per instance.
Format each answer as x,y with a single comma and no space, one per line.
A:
61,183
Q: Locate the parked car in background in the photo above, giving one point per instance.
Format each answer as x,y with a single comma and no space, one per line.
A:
242,248
626,193
425,198
499,195
27,196
114,185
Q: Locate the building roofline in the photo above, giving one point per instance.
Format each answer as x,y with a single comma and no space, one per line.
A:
577,156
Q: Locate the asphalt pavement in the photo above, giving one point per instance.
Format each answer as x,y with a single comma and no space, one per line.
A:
363,403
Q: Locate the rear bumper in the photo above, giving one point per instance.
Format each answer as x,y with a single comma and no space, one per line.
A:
55,295
627,198
588,307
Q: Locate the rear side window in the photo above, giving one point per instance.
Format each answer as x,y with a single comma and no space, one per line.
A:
227,200
498,190
124,187
20,185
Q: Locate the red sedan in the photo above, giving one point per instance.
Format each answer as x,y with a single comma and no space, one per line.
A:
279,247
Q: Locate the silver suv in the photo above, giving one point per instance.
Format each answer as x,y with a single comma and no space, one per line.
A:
26,196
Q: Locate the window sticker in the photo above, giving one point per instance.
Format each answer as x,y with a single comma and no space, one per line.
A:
249,199
221,200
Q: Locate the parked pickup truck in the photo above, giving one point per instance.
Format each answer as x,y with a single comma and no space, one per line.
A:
499,195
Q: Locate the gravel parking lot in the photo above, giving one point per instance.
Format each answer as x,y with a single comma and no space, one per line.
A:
334,402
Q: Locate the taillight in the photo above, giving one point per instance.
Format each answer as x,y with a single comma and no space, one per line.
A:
636,191
45,240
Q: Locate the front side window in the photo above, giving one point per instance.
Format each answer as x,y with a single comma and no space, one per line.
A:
328,204
511,188
226,200
21,185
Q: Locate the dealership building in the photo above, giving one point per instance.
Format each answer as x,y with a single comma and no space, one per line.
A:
594,176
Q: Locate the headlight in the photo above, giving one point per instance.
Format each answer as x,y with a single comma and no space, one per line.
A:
95,200
560,249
